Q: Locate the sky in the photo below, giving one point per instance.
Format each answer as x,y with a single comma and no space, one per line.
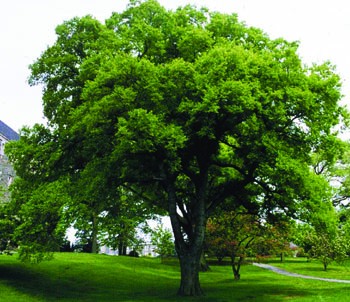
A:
27,28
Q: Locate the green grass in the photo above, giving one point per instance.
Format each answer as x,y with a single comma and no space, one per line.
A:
314,268
86,277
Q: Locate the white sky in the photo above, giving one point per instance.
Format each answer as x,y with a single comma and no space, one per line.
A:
27,28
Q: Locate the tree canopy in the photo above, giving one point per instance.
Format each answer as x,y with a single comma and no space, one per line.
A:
187,109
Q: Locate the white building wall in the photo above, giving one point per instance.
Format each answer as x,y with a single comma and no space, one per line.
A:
3,141
146,251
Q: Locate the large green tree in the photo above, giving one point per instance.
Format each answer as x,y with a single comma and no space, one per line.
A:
188,109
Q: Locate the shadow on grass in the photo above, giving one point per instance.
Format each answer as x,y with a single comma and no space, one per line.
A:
289,260
27,281
107,281
219,263
49,282
171,261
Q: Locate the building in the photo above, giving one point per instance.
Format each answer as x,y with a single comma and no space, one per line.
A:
6,135
6,171
146,250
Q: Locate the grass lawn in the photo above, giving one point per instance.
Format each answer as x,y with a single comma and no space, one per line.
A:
86,277
313,268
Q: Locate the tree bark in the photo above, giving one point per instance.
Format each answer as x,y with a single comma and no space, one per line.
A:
190,285
235,268
122,248
94,246
203,264
325,266
188,249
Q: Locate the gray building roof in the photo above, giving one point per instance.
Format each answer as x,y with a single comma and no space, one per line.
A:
8,132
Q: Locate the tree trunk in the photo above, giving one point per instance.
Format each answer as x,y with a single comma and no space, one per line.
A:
188,249
120,248
203,264
235,268
189,252
124,249
94,246
282,257
325,266
190,285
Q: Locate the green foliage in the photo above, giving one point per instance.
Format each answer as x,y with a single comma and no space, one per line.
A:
163,240
341,178
40,214
239,234
232,234
188,110
327,248
7,224
324,238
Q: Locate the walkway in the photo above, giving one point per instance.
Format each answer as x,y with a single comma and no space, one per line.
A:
283,272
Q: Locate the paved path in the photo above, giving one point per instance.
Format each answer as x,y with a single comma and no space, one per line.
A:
283,272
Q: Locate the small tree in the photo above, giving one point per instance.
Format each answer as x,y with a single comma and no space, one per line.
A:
163,240
322,238
274,239
328,248
231,235
236,235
